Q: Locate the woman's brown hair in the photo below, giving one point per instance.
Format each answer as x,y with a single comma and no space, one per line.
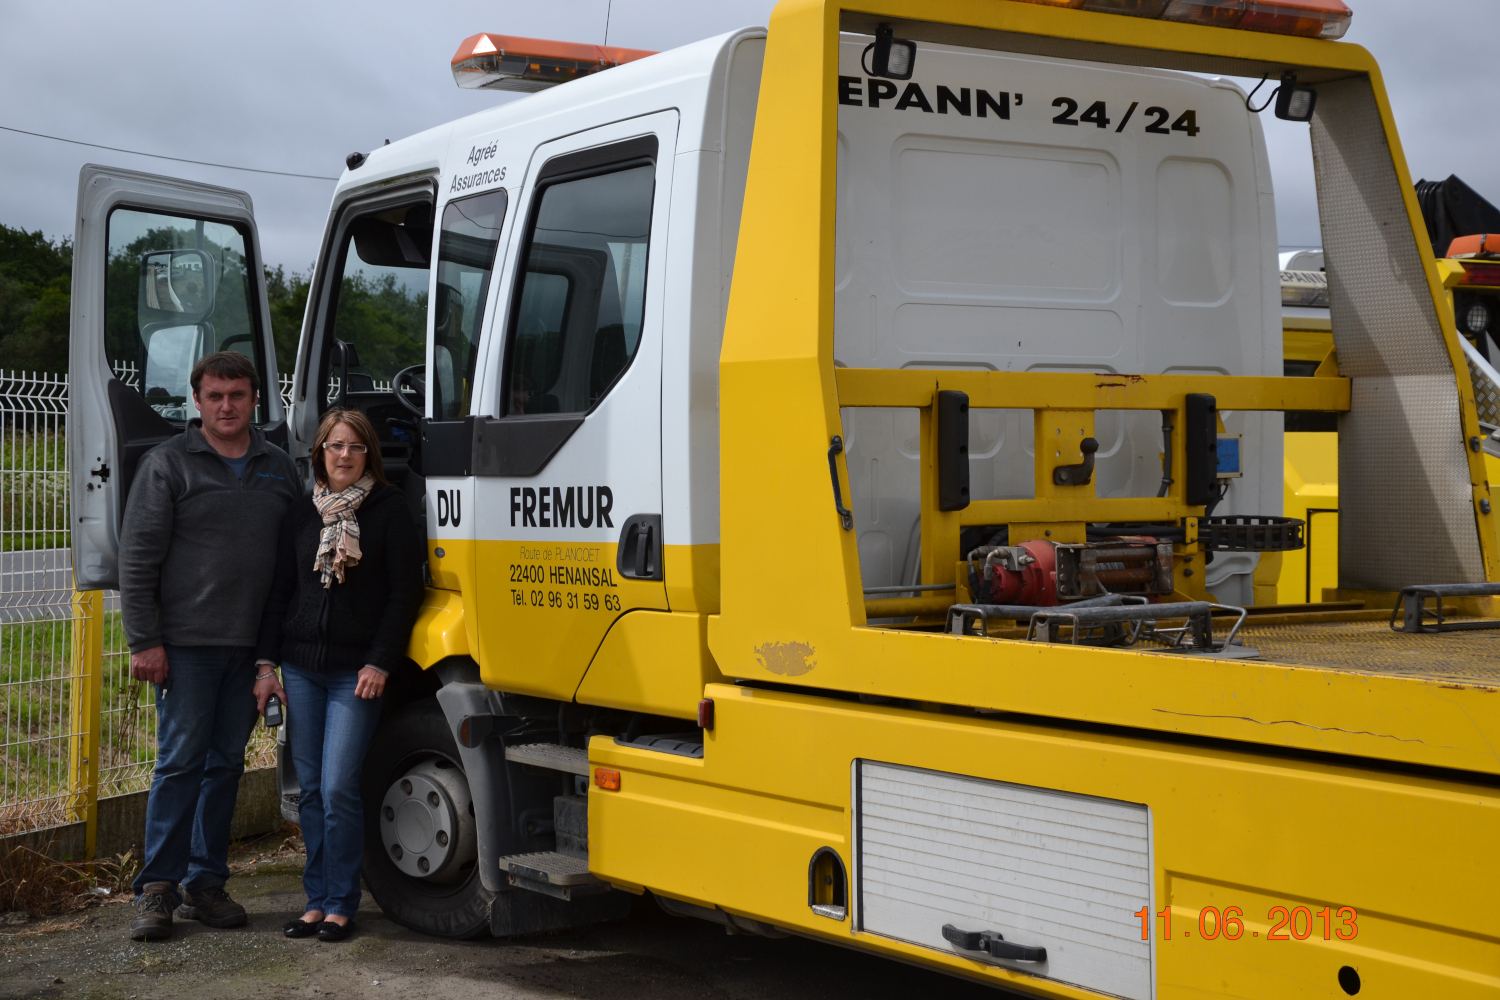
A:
362,428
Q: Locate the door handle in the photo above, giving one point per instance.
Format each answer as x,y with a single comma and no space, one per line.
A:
845,515
994,944
638,556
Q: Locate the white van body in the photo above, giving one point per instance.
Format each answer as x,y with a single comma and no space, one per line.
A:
1026,243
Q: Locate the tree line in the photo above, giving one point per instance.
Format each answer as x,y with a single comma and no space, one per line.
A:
36,281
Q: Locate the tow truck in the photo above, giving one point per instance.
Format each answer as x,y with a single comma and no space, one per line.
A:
1460,223
822,433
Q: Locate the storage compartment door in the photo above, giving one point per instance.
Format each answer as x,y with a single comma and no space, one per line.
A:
1040,868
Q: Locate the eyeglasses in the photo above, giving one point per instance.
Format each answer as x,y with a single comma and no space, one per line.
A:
339,447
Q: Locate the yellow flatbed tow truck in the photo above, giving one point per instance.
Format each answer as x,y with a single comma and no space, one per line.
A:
770,580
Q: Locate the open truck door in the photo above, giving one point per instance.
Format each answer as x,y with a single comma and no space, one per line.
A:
165,271
366,325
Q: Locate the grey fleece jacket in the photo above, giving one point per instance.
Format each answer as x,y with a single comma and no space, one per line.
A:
198,547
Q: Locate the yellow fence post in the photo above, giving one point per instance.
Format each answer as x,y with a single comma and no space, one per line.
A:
83,711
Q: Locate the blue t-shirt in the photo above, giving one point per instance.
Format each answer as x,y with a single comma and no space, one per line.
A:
238,464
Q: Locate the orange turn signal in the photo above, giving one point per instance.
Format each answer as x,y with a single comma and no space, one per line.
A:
607,779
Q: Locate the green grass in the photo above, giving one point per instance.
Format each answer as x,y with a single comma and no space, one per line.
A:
34,707
35,691
33,489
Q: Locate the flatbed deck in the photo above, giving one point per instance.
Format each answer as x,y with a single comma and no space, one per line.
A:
1351,638
1470,658
1330,678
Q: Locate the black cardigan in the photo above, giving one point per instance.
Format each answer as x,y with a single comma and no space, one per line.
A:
366,619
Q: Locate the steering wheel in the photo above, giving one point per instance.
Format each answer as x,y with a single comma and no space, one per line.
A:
407,382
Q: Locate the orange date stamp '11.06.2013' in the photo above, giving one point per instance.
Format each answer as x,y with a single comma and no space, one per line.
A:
1296,923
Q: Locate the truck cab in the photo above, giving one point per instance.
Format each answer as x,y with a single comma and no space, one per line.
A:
850,456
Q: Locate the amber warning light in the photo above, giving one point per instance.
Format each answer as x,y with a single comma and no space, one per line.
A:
506,62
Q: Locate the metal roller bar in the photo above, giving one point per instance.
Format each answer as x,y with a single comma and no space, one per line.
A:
1411,607
1198,628
962,616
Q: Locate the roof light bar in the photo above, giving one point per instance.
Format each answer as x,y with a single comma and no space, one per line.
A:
1134,8
1218,13
1304,288
1484,246
506,62
1308,18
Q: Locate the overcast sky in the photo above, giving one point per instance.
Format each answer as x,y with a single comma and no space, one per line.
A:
297,86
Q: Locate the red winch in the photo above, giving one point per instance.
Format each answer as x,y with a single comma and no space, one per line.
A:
1040,573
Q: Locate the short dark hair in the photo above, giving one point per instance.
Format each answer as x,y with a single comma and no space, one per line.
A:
362,428
228,365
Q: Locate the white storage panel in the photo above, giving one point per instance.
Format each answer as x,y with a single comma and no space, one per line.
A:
1039,867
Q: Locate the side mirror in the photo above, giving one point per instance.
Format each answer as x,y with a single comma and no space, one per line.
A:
1294,103
177,287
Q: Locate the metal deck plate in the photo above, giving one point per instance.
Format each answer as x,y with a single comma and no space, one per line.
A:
549,867
1469,658
571,760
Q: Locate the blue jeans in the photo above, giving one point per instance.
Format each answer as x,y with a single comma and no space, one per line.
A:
204,716
330,730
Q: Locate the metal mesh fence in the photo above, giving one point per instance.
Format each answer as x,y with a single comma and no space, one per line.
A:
45,674
37,674
126,372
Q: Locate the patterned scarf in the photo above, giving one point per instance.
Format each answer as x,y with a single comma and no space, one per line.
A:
338,546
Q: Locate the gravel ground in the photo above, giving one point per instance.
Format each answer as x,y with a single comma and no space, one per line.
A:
649,955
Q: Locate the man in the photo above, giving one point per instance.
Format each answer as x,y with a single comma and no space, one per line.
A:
197,553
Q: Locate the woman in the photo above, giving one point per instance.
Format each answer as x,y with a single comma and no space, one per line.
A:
347,589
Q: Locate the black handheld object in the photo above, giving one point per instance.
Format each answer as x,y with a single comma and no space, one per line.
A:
273,715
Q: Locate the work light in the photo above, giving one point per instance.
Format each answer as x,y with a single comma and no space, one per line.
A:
891,57
1294,103
1477,318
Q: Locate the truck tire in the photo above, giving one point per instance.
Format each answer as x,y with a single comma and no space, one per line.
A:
414,761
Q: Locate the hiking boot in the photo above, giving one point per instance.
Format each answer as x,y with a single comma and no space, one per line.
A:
153,913
211,906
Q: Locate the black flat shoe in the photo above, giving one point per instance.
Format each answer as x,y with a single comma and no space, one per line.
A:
330,931
300,928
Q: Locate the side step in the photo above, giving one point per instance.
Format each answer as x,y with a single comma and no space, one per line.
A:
571,760
552,873
679,744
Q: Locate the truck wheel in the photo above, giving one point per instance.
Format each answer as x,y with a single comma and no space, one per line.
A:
421,841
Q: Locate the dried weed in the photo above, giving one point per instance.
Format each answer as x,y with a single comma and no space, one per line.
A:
35,883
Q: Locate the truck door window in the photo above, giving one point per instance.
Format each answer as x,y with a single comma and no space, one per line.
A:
582,298
466,256
177,288
379,304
